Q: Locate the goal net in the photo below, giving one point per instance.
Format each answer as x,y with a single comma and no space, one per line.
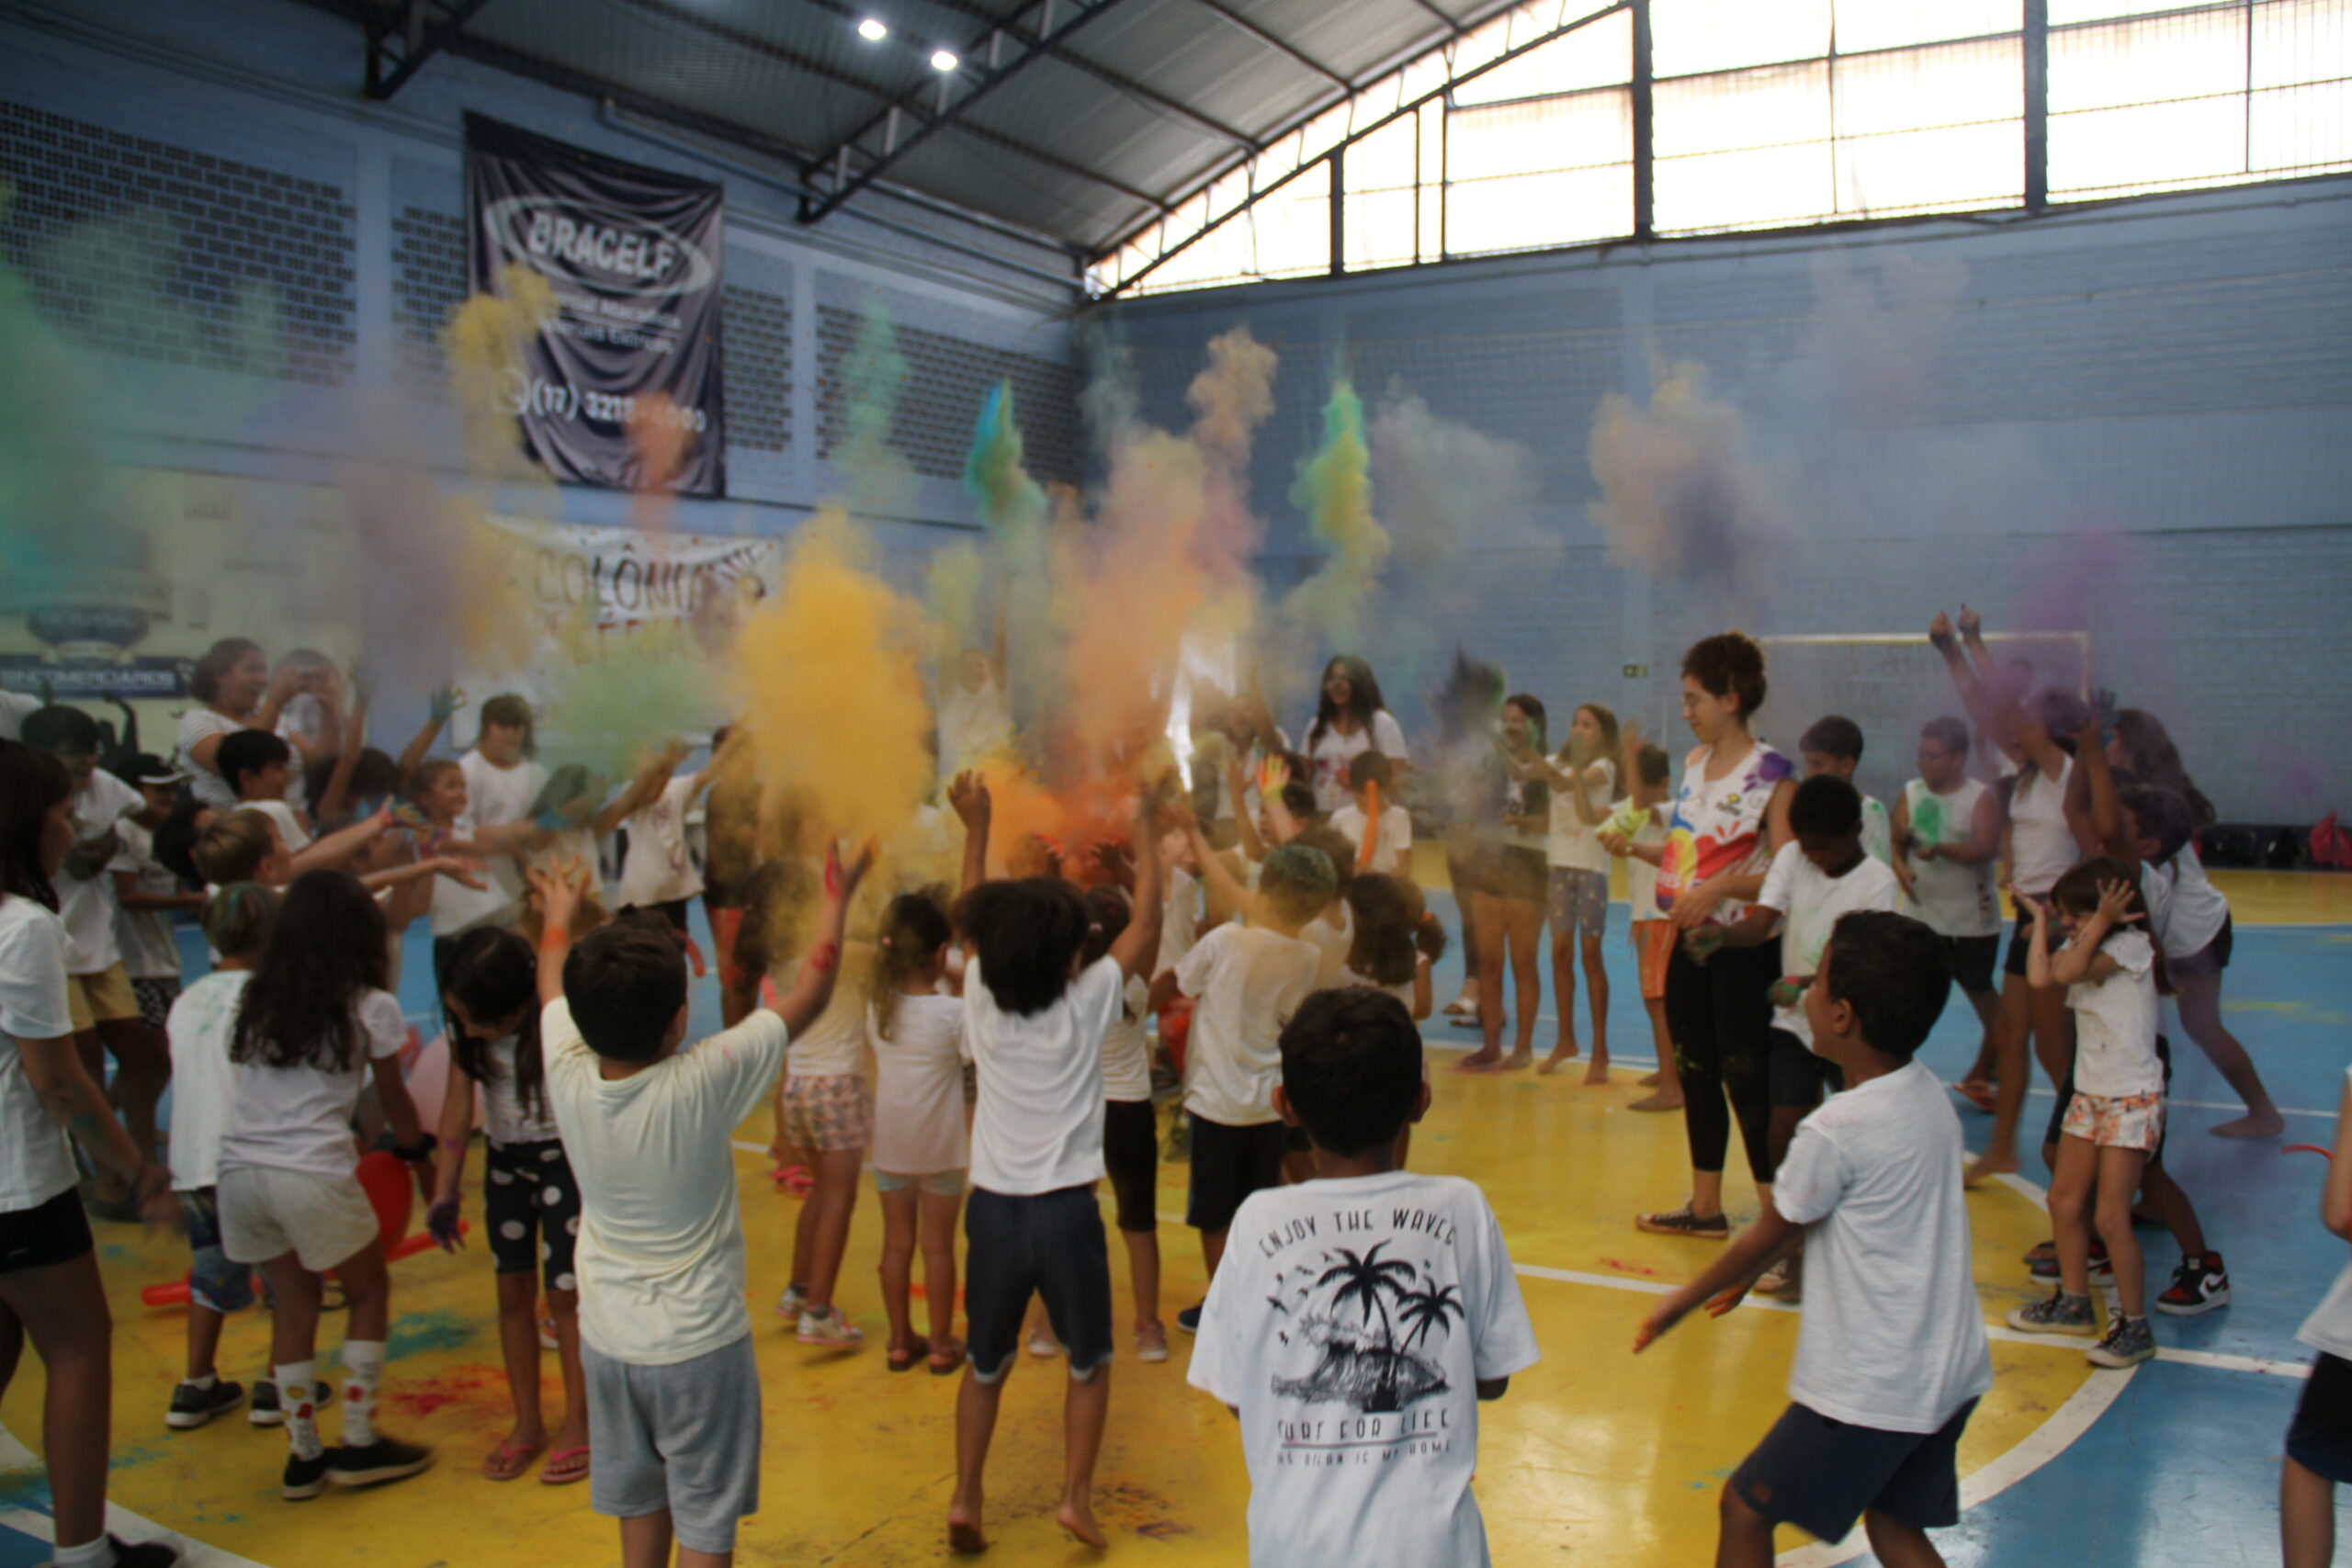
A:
1891,684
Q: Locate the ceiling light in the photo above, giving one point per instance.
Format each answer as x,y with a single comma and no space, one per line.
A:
943,60
872,30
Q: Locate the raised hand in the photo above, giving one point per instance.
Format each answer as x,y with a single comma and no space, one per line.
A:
968,793
1274,773
2115,901
1971,625
1939,630
446,699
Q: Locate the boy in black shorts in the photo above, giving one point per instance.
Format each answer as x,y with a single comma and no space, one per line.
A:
1891,1359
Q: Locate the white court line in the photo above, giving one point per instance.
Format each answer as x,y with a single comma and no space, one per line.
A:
132,1528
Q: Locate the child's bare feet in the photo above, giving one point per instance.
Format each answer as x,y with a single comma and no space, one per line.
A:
1479,1062
1567,1050
1517,1060
1078,1519
964,1533
1596,1070
1986,1165
1659,1101
1979,1093
2252,1124
514,1455
1647,1080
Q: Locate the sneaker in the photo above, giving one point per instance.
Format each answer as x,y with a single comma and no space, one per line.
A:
385,1458
305,1478
2056,1314
193,1406
1044,1345
2129,1342
2102,1272
1189,1320
263,1409
1151,1345
831,1329
2200,1284
1682,1221
1783,1281
790,1304
548,1341
146,1554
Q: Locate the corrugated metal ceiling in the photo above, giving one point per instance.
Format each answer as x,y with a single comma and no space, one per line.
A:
1085,140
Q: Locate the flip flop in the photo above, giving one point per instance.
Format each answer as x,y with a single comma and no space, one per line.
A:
518,1458
904,1360
797,1180
565,1466
1978,1093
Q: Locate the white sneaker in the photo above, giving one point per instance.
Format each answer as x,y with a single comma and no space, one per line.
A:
831,1329
1152,1344
1044,1345
790,1304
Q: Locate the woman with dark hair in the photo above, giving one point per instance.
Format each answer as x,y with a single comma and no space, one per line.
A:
1730,817
1349,719
49,1290
2142,747
317,1025
234,683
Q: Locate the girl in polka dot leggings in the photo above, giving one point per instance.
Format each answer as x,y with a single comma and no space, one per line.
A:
489,982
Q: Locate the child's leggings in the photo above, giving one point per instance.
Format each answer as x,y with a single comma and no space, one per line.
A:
1720,1014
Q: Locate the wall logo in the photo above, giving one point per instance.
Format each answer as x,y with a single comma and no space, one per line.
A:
615,250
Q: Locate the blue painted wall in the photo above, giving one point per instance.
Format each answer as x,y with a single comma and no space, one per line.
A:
2134,420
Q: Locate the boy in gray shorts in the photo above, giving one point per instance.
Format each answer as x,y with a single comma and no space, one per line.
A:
673,1393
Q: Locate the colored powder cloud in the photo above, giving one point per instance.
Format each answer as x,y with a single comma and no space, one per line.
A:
1334,488
1681,497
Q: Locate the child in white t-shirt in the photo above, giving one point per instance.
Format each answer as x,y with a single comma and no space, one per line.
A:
1583,779
914,1022
2319,1442
259,767
316,1026
1820,874
658,873
237,922
2111,973
1634,834
146,892
1369,775
1036,1021
1245,981
1834,746
1891,1355
1371,1313
673,1391
1396,945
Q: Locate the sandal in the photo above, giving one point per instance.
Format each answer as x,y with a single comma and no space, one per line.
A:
1980,1095
1682,1221
796,1179
565,1466
509,1460
947,1358
902,1359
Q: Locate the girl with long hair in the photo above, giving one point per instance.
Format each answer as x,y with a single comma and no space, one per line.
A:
921,1144
317,1026
489,995
1349,718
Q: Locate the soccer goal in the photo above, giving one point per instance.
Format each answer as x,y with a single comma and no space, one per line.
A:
1891,683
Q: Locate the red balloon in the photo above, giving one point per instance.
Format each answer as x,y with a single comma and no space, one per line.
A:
390,1193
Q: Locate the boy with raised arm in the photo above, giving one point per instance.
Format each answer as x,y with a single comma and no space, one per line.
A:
674,1392
1035,1021
1891,1357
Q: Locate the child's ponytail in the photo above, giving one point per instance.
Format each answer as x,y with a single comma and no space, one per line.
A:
914,926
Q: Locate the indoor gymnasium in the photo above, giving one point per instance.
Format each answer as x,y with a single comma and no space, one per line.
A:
1397,782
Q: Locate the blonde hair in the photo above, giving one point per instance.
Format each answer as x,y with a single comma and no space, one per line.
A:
234,848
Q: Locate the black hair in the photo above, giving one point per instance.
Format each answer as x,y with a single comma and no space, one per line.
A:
57,728
1352,1068
246,752
1835,736
626,982
2077,893
1387,914
1110,910
327,946
176,840
914,926
1026,933
1531,705
1364,698
1825,804
1370,768
1729,664
2160,814
1948,732
2157,761
509,711
204,675
494,974
1652,762
1891,969
1298,798
772,898
32,783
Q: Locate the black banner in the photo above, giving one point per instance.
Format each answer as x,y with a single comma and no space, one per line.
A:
633,256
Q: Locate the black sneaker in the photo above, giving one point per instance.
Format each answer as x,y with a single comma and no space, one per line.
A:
1189,1320
385,1458
193,1406
265,1411
2200,1284
146,1554
306,1478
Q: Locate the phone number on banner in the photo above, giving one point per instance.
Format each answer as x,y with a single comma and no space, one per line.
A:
557,400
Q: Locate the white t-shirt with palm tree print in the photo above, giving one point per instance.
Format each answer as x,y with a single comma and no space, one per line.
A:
1349,1327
